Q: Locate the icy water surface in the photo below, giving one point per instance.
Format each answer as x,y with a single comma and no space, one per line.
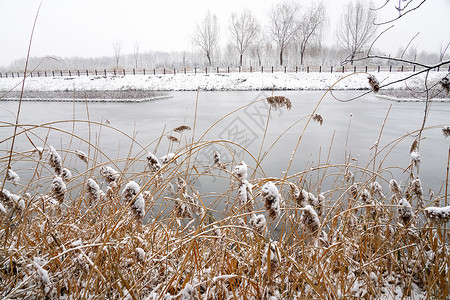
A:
351,128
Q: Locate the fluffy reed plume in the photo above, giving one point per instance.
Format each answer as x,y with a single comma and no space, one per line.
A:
415,159
181,186
111,176
82,156
445,84
278,102
194,204
354,190
240,172
131,193
217,162
181,209
309,219
271,256
319,205
271,199
93,191
54,160
182,128
348,175
258,223
10,201
66,175
318,118
395,189
173,139
438,215
168,158
374,84
154,165
446,131
244,194
12,176
416,189
140,255
405,213
377,190
58,189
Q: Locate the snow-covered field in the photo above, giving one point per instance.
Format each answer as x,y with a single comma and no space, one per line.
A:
219,82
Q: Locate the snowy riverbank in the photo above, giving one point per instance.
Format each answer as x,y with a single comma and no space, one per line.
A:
217,82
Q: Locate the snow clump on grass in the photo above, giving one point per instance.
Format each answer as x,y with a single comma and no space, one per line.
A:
271,199
131,193
12,177
55,160
59,189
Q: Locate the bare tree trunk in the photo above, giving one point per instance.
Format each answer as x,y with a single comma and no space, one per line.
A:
209,59
281,56
240,60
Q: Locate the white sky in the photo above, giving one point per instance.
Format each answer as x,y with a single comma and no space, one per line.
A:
88,28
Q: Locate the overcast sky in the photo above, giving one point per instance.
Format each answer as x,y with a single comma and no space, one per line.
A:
88,28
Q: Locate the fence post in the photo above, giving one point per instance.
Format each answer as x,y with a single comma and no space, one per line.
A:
195,70
307,69
174,71
206,70
262,69
12,74
228,69
272,69
354,69
134,71
320,69
239,69
154,71
53,73
184,70
96,72
123,72
114,72
331,69
343,69
1,75
437,69
60,72
104,71
164,71
284,69
39,75
402,68
414,68
87,73
378,69
45,73
78,73
217,69
390,68
143,70
251,69
366,69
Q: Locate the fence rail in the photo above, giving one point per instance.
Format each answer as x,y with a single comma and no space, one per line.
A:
218,70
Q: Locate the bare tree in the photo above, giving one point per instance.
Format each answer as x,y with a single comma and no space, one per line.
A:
136,53
243,29
310,28
283,25
257,47
357,27
206,35
117,46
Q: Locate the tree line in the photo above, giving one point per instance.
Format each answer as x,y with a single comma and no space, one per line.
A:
293,35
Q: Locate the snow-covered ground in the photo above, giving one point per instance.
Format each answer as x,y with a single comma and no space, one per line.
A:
218,82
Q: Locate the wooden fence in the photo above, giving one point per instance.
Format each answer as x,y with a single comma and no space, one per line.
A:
218,70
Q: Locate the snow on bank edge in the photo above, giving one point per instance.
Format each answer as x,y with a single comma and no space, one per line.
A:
217,82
